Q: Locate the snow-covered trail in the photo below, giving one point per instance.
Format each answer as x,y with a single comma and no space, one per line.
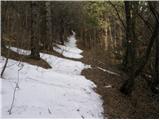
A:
69,49
59,92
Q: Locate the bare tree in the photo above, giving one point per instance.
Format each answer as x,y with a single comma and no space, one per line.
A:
49,25
35,30
129,83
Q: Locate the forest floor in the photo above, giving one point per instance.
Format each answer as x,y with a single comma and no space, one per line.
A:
142,103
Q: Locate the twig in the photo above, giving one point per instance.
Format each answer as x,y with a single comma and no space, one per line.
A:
122,22
49,111
14,93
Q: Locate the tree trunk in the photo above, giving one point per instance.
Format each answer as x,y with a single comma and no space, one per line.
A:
127,87
155,83
61,33
34,30
43,34
48,25
129,58
4,67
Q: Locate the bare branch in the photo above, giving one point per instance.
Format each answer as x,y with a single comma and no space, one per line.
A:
117,14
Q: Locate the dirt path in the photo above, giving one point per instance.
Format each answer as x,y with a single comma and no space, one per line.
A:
141,104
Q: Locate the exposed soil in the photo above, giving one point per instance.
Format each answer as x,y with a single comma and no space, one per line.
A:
142,103
24,58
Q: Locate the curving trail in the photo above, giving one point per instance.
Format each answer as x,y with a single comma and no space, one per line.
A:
59,92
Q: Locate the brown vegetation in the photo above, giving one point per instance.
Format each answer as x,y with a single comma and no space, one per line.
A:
142,103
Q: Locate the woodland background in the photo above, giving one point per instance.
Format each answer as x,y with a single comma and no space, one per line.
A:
121,35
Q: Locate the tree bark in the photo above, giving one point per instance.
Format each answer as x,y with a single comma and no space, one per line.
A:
48,25
129,54
127,86
35,30
155,82
61,33
129,59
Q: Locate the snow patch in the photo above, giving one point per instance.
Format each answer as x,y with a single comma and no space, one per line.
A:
59,92
20,51
69,49
49,92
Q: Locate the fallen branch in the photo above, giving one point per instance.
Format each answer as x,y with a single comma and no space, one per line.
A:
108,71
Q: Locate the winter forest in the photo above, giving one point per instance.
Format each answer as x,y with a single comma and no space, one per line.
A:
79,59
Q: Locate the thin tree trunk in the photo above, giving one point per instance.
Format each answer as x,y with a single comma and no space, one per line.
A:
48,25
155,82
6,62
4,67
34,30
61,33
